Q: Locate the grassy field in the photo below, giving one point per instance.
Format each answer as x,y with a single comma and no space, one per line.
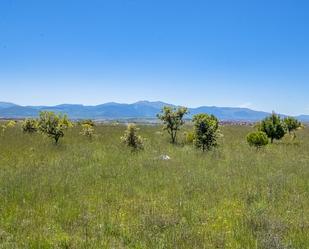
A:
97,194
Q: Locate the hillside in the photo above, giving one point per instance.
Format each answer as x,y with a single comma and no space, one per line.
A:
138,110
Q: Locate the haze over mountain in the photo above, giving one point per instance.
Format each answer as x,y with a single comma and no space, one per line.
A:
138,110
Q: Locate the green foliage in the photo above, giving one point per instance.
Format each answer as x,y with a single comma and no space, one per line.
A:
3,128
257,139
87,122
292,124
11,124
65,122
30,125
131,138
8,125
189,137
87,130
172,119
205,131
53,125
273,126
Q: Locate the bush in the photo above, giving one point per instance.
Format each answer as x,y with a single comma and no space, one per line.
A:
65,122
87,130
257,139
273,126
87,122
11,124
30,125
3,128
131,139
53,125
292,124
205,131
189,137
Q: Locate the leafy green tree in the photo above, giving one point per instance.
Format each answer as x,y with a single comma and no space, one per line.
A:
131,138
273,126
292,124
53,125
87,130
257,139
30,125
205,131
172,120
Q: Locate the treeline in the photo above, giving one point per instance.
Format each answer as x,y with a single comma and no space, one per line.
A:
204,135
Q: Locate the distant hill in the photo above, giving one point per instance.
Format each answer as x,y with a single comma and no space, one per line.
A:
304,118
6,105
138,110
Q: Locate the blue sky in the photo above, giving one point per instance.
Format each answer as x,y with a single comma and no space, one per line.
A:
247,53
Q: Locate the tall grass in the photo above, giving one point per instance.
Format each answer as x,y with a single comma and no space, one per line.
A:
98,194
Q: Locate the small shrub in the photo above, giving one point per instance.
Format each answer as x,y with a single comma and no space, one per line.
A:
205,131
8,125
257,139
189,137
65,122
131,139
11,124
53,125
87,130
87,122
3,128
292,124
30,125
273,126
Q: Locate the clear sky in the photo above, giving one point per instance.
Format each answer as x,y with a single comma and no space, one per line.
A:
246,53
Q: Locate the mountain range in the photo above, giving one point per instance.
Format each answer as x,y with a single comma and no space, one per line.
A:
138,110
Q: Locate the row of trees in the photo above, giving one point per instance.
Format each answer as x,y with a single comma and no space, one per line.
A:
204,135
206,128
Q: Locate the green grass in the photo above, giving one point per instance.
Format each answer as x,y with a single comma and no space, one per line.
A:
97,194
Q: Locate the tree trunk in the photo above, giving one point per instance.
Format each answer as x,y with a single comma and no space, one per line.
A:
173,136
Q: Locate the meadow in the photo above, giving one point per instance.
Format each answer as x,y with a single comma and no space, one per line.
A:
96,193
